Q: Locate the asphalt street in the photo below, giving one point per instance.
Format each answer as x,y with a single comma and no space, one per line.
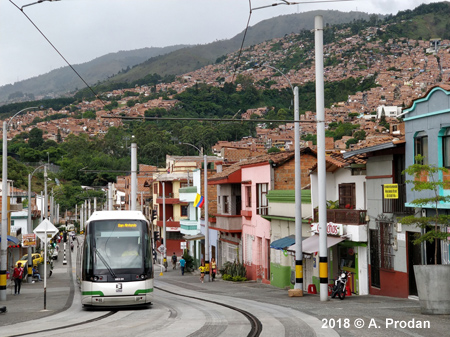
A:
354,316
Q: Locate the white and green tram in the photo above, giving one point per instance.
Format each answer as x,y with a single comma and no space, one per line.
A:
114,262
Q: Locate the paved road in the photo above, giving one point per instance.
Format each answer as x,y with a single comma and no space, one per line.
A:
182,316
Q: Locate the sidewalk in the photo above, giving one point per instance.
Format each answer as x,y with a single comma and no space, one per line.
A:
29,305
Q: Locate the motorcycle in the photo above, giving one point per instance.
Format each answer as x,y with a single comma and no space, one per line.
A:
340,284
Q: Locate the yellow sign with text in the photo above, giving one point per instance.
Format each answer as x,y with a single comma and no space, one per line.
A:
391,191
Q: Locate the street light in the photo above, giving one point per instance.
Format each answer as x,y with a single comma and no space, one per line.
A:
4,226
35,3
200,151
298,188
29,226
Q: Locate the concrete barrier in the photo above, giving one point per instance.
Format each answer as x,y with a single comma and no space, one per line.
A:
433,286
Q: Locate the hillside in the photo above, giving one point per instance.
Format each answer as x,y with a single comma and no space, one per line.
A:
64,81
173,60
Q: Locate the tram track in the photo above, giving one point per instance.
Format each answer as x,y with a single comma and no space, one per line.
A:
255,323
110,313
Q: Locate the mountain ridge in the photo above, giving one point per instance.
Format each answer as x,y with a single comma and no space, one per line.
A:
171,60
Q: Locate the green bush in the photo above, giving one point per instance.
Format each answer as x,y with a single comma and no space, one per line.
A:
233,271
189,260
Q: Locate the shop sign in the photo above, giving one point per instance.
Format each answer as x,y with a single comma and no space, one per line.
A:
390,191
336,229
29,240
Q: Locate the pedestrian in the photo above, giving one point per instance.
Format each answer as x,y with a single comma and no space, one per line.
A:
213,268
202,271
182,264
36,273
174,261
17,275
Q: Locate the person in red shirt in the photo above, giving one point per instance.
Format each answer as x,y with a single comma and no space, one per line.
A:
17,275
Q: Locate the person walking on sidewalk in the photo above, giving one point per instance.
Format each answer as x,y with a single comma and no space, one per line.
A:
174,261
213,268
202,271
182,265
17,275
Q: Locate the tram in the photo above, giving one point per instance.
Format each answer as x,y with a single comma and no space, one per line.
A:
114,261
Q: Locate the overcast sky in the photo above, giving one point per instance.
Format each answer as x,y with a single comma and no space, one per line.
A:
85,29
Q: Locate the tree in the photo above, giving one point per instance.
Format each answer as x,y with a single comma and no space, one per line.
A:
426,178
35,141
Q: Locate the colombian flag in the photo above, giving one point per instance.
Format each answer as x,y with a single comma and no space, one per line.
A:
199,201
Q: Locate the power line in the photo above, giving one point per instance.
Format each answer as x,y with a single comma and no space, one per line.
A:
51,44
243,39
210,119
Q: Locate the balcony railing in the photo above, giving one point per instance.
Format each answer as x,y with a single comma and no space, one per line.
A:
396,206
344,216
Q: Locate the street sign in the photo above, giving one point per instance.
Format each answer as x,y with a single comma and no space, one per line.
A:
45,230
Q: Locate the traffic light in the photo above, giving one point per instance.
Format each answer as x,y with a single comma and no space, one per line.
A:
156,235
154,214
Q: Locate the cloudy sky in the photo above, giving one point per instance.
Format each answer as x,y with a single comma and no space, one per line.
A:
85,29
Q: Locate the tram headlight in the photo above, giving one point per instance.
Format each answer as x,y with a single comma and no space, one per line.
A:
95,278
142,276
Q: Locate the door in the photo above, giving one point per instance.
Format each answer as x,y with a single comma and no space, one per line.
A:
414,258
374,258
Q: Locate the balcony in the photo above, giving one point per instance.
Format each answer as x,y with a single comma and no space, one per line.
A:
344,216
396,206
228,223
170,199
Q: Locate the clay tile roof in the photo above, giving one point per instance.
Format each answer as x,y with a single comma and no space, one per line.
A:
275,158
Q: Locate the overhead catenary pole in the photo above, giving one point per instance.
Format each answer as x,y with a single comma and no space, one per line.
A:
321,168
133,176
110,197
205,183
4,233
164,220
298,199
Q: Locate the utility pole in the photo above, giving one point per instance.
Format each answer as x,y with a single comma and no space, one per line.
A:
321,168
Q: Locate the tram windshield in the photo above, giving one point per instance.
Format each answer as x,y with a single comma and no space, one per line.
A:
117,247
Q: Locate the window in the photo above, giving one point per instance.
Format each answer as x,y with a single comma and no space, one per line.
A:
386,249
446,148
347,198
248,196
261,202
184,210
421,146
226,205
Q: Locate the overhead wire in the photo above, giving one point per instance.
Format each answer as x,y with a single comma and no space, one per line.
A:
60,54
283,2
243,40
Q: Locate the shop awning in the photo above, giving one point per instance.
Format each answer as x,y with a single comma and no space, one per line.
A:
193,237
12,239
283,243
311,244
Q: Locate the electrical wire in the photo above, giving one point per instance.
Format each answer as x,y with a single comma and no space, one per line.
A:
284,2
65,60
243,40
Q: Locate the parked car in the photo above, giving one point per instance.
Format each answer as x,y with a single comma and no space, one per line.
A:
37,259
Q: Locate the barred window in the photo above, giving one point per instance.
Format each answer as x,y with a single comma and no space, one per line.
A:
386,240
